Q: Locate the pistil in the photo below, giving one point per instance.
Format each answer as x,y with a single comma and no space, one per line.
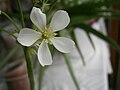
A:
47,35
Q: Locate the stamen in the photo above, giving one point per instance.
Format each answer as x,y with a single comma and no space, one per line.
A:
47,35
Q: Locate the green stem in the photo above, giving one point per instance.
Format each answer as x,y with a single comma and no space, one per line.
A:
67,61
21,13
43,5
91,41
27,55
40,77
17,29
42,8
53,4
30,68
46,1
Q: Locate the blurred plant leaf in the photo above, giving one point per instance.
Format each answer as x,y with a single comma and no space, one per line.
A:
98,34
21,14
90,8
70,68
40,76
85,4
90,39
77,46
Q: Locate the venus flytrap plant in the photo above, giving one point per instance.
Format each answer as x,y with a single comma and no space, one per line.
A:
46,35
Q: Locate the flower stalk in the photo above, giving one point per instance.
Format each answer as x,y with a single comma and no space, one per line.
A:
40,76
21,13
29,67
78,48
27,54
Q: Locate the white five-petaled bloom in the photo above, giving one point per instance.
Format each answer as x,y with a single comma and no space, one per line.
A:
46,34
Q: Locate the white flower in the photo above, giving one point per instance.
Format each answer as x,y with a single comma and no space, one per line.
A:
46,34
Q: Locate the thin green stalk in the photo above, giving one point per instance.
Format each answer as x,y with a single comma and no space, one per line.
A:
8,56
40,77
78,48
44,5
98,34
69,66
27,55
35,2
53,4
30,68
9,18
21,13
91,41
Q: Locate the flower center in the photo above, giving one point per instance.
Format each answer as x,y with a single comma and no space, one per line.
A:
47,35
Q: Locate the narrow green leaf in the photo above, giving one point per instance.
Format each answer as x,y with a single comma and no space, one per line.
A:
21,14
69,66
98,34
90,39
94,8
40,77
91,4
77,46
71,33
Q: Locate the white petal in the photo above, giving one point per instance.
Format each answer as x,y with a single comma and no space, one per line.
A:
63,44
60,20
38,18
44,55
27,36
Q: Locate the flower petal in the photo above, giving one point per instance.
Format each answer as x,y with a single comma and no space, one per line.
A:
38,18
60,20
44,55
27,36
63,44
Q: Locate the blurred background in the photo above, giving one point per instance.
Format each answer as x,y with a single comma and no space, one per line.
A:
87,11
